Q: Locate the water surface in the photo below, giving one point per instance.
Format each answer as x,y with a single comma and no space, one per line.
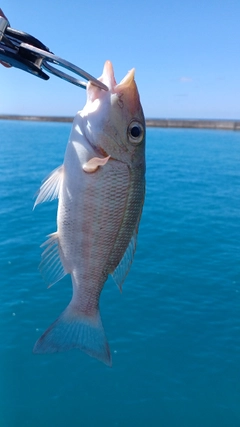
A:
174,332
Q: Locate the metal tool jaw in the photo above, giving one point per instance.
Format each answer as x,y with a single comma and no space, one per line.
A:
21,50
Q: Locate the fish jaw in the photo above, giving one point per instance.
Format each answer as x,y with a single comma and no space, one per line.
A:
108,115
127,88
108,76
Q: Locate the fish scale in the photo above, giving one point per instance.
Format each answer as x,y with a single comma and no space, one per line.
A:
98,227
130,219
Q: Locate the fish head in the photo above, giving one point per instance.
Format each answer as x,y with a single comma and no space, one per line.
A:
114,123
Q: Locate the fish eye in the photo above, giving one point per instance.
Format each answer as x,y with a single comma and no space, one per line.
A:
135,132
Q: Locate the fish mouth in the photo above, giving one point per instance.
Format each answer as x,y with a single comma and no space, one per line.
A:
108,78
122,98
126,91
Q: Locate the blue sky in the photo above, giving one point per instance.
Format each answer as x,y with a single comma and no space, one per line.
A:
186,54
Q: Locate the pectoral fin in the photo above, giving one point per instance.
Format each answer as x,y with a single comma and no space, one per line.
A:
93,164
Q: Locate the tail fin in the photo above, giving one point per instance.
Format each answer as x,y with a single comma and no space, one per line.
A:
75,330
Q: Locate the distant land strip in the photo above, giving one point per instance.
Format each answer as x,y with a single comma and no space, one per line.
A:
161,123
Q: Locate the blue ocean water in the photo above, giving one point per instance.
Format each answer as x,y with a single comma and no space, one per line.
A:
174,332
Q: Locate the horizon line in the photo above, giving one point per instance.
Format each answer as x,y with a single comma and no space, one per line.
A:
224,124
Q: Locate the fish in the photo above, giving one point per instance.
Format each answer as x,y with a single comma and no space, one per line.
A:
100,189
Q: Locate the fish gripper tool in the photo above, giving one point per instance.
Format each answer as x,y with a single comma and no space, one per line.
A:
21,50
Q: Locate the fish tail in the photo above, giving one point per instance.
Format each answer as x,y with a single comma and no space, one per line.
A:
76,330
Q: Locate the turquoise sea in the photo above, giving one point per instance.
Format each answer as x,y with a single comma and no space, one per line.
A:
174,332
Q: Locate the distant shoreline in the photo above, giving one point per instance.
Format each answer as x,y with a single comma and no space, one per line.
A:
161,123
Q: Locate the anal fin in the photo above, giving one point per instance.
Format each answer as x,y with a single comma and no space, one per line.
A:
51,266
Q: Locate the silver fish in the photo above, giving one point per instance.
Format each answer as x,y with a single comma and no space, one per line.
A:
100,187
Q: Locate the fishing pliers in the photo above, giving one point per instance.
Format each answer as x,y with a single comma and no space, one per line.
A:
21,50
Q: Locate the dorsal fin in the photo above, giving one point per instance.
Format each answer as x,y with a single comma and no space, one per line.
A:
123,267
